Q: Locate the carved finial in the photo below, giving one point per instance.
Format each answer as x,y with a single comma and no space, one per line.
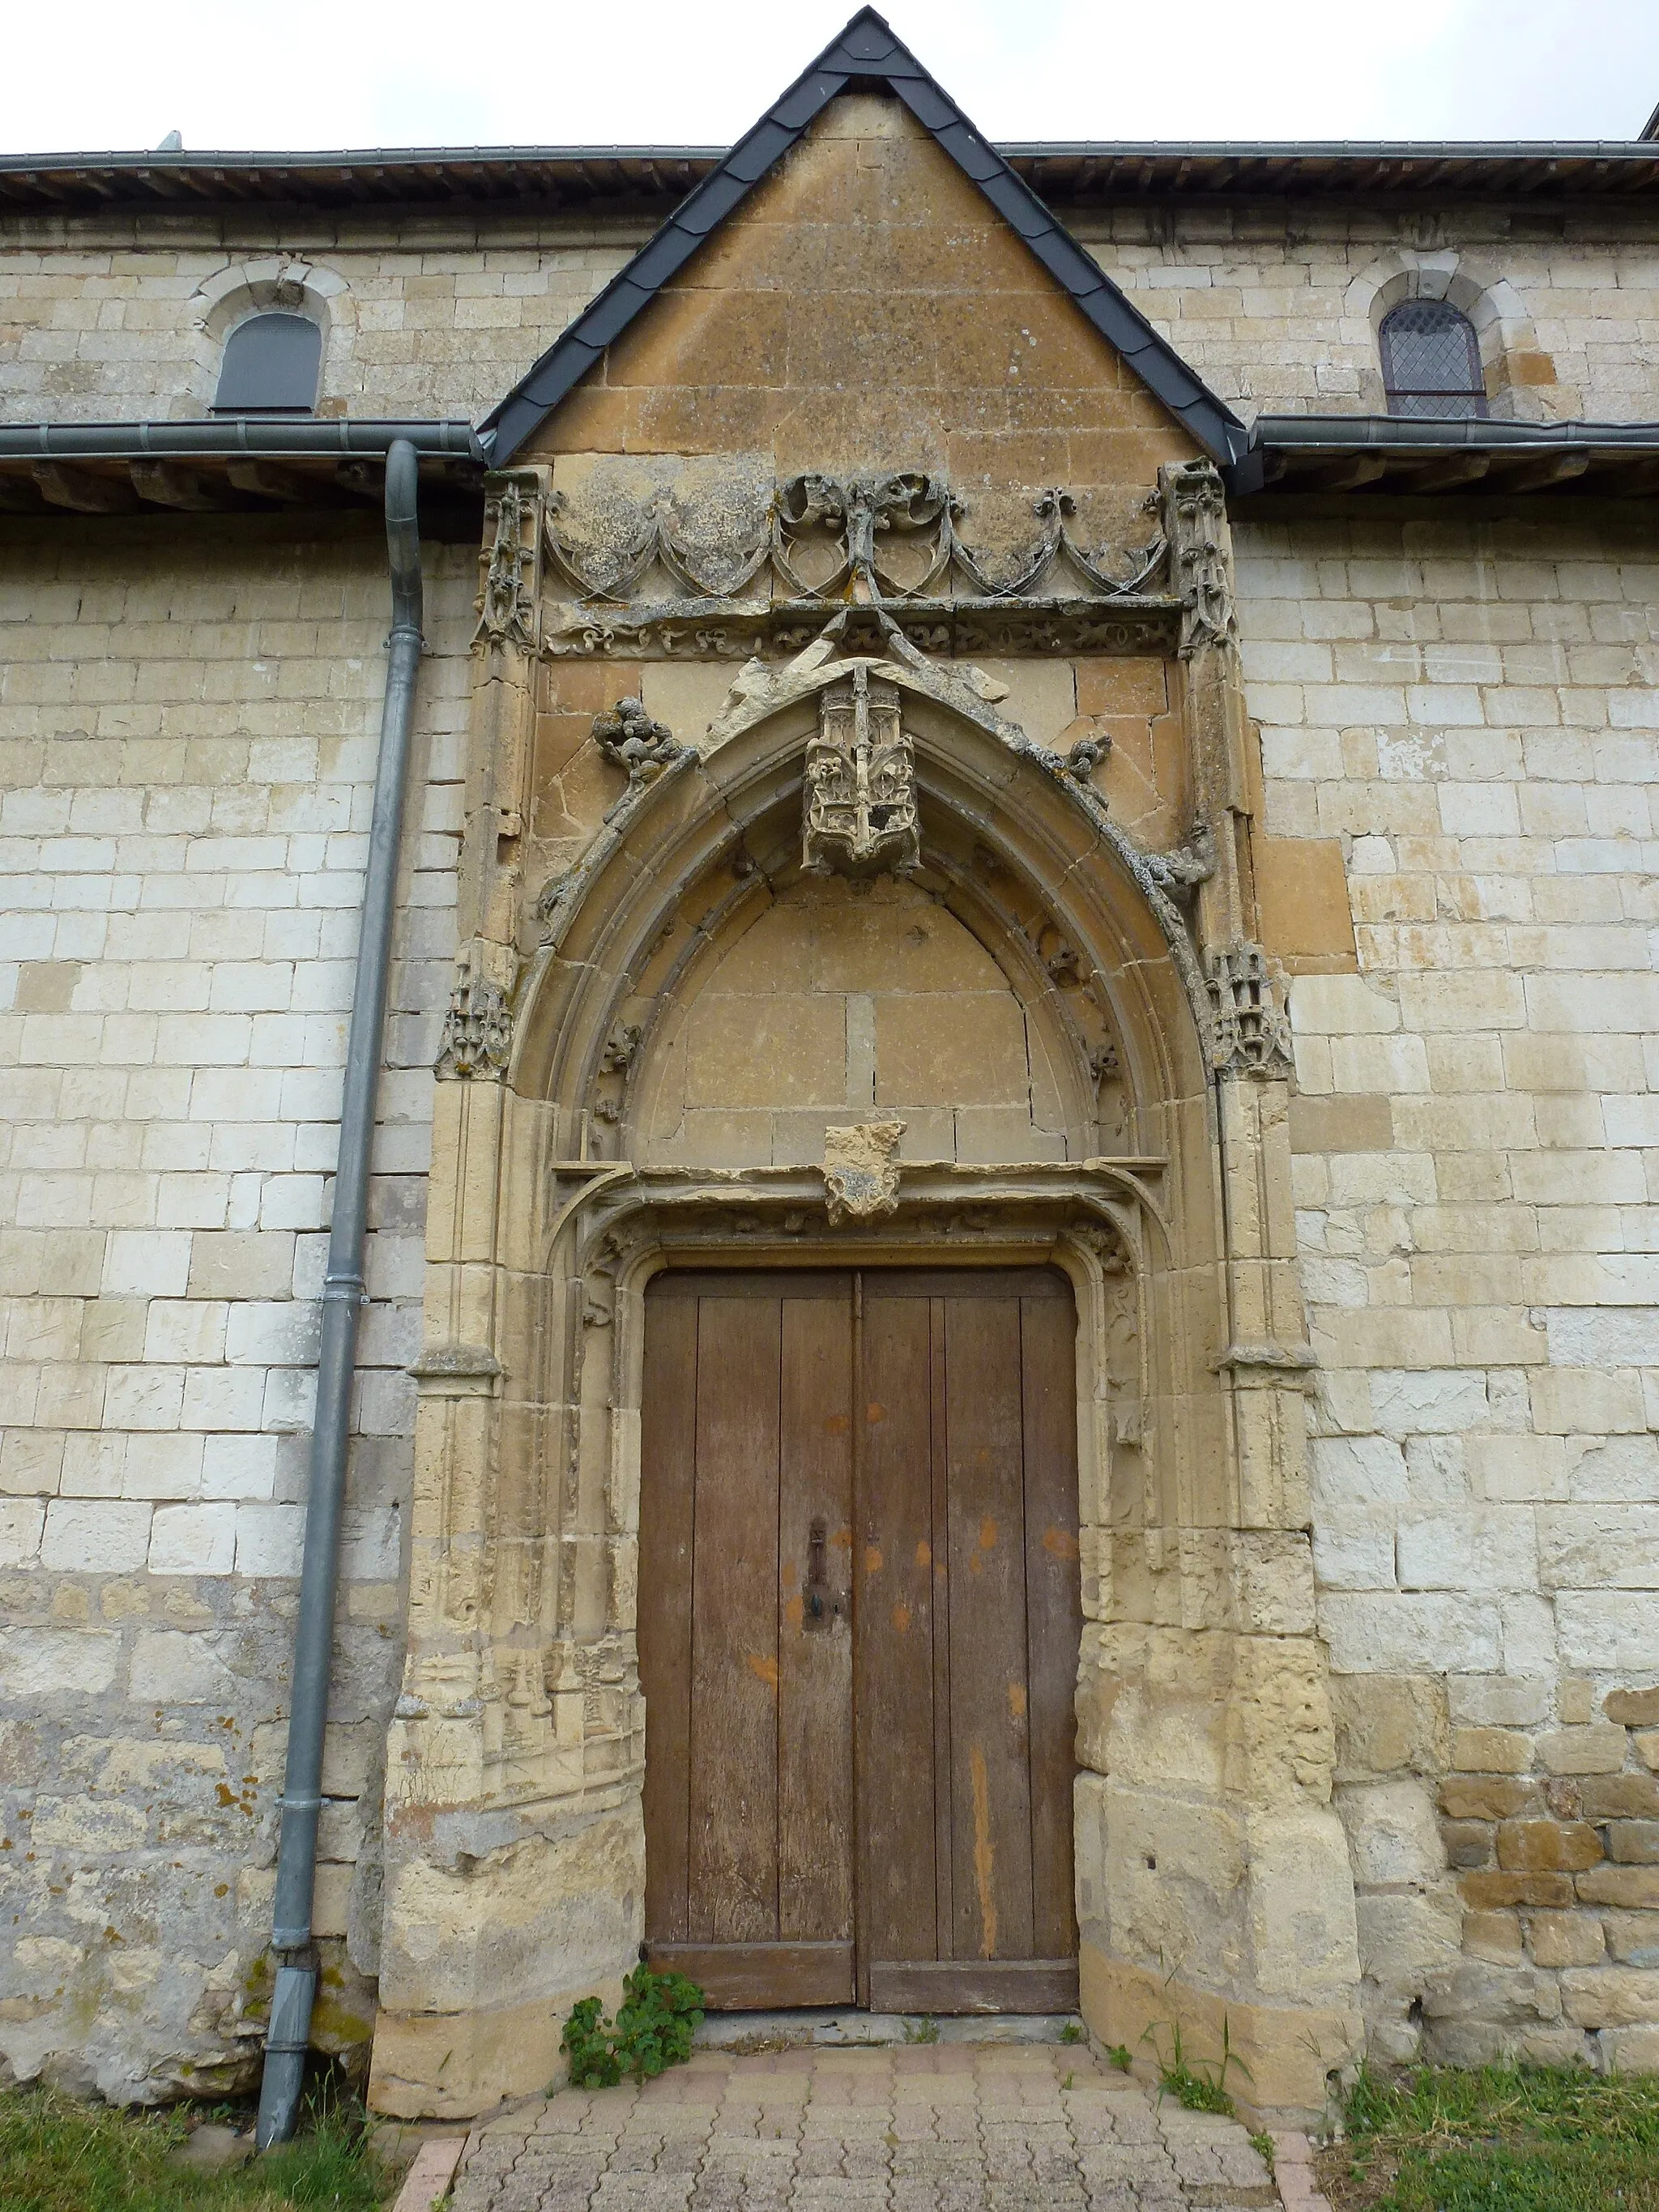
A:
1185,866
859,811
631,740
1196,524
1252,1030
1087,753
477,1037
509,602
861,1174
620,1048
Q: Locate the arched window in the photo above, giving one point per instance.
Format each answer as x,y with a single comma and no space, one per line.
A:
1430,360
269,367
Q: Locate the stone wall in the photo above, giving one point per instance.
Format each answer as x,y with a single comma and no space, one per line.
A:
1275,304
1455,703
103,322
1278,305
188,726
1467,702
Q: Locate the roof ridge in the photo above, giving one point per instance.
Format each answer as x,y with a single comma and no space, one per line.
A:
866,47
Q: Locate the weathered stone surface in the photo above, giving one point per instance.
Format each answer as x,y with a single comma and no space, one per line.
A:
1446,812
1547,1846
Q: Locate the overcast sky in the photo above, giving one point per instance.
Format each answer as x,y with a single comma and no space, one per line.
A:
228,73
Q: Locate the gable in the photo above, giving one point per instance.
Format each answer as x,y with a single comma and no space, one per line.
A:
865,59
867,308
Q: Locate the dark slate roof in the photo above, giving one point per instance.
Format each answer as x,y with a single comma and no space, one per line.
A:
526,183
866,53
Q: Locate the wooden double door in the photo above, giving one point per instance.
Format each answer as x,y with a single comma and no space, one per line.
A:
859,1614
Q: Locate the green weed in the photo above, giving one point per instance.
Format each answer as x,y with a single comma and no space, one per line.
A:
653,2030
1193,2088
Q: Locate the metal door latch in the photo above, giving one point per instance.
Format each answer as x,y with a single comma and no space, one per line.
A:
820,1608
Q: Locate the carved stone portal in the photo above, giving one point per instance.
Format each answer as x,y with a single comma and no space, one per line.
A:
859,811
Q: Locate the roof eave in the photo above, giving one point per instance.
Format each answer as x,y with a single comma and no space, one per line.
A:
1375,452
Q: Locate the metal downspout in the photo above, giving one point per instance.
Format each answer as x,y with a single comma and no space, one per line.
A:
343,1297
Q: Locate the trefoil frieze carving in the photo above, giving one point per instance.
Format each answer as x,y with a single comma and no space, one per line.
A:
888,539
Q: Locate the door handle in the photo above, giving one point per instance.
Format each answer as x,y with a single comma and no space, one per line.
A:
820,1607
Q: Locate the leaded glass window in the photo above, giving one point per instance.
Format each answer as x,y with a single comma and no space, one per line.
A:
1431,360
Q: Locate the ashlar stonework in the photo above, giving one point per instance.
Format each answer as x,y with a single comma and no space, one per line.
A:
883,798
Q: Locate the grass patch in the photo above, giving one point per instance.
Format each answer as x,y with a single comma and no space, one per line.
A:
1498,2139
1194,2087
59,2156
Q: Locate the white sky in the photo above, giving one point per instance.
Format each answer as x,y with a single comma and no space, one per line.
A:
308,73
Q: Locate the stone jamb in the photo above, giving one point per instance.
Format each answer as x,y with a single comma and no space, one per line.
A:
515,1841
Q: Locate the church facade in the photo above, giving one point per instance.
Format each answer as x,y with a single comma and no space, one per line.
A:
1009,1357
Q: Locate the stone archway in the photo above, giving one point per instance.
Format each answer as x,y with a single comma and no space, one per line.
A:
1148,1157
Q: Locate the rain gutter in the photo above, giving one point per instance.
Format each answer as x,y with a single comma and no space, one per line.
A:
1336,435
344,1297
263,438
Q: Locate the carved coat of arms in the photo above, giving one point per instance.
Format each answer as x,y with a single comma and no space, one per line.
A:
860,815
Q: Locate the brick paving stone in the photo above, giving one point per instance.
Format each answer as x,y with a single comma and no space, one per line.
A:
943,2128
641,2192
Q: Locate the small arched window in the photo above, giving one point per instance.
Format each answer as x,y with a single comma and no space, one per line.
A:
1431,360
269,367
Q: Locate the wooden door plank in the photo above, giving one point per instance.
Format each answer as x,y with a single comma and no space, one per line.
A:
990,1754
760,1977
939,1471
733,1888
946,1986
667,1471
815,1651
893,1631
967,1283
1054,1611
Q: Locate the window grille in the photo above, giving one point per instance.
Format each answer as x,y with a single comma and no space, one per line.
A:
269,367
1431,360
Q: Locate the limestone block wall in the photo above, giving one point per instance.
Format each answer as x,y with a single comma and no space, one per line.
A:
1467,702
188,725
1276,304
102,321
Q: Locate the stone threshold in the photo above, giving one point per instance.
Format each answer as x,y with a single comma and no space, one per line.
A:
833,2030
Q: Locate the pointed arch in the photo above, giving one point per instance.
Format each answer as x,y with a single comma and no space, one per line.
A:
1023,854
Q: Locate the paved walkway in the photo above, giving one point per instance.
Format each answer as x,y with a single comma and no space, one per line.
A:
941,2128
